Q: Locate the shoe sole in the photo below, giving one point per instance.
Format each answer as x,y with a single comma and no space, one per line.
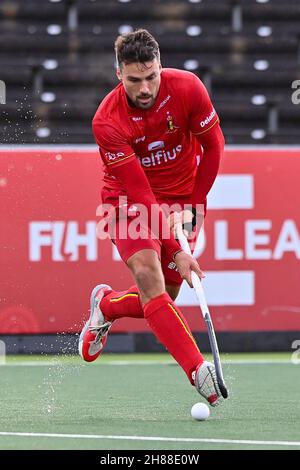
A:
86,326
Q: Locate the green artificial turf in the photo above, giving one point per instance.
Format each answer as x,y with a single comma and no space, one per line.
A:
147,396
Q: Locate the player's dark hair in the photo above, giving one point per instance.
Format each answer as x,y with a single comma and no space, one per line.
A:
136,47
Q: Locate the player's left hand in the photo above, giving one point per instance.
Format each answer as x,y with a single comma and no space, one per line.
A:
186,264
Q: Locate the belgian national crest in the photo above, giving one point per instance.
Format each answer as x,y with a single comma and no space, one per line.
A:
170,124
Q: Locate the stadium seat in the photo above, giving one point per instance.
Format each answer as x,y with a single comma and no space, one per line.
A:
58,63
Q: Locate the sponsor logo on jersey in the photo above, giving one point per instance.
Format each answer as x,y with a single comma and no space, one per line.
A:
159,144
140,139
208,118
137,118
114,156
161,156
162,104
172,265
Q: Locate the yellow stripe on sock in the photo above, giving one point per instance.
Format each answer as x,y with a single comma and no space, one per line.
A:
180,319
117,299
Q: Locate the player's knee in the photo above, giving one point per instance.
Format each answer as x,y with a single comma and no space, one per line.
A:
146,275
147,272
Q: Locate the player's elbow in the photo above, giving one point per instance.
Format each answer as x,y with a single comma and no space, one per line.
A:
214,140
217,138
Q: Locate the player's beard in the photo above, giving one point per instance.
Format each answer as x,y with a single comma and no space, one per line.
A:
148,104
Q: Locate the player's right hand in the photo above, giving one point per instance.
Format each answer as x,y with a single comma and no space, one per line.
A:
185,264
184,217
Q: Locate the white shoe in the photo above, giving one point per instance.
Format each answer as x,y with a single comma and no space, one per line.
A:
206,383
94,334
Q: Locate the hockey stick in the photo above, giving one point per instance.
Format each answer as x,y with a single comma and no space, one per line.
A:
205,313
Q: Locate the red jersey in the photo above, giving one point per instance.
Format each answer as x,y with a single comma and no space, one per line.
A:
162,137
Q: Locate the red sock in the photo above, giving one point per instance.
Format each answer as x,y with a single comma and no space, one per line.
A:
122,304
172,330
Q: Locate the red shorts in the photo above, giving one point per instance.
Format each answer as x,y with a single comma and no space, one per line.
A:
130,235
128,246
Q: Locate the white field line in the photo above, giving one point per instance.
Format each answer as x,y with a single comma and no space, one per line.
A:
152,438
140,363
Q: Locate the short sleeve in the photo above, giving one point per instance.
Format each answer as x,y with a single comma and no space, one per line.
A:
202,114
114,149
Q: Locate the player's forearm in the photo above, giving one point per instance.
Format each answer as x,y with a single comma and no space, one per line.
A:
139,191
158,223
213,149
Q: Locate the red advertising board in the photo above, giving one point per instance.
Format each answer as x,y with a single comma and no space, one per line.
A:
50,257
